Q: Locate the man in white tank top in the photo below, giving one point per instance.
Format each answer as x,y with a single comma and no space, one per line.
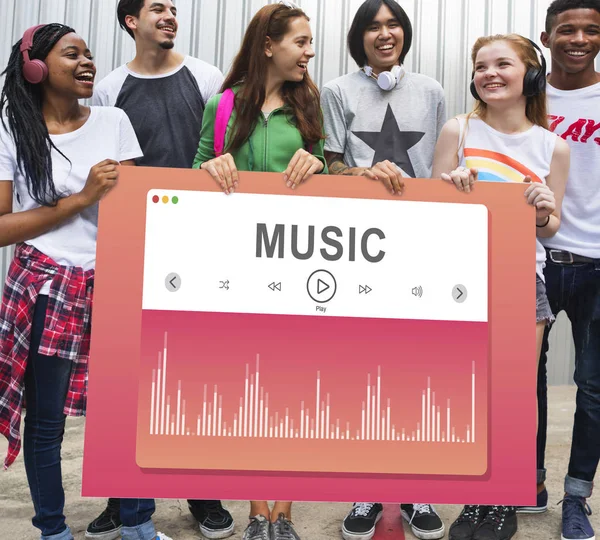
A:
572,269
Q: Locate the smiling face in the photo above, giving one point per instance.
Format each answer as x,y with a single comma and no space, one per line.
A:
383,41
71,70
288,58
574,40
499,73
156,23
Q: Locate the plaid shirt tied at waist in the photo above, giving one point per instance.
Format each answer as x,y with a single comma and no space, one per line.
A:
66,333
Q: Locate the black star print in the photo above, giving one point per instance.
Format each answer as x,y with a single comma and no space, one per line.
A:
390,143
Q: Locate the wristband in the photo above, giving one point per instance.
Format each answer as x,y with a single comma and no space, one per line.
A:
542,226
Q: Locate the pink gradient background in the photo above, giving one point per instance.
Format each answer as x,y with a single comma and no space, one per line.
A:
201,350
110,467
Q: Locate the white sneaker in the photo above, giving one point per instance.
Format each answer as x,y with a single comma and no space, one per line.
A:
162,536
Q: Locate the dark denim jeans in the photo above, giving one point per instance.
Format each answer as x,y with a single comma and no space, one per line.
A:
46,385
575,288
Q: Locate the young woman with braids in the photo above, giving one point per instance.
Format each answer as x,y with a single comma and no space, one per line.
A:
57,160
275,126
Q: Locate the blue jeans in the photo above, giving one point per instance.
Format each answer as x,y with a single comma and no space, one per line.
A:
575,288
136,517
46,385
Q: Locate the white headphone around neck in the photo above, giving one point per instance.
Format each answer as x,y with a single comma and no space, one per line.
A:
387,80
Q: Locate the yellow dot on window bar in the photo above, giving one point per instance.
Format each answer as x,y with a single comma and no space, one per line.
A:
165,199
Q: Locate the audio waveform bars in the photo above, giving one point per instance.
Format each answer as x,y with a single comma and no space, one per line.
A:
254,418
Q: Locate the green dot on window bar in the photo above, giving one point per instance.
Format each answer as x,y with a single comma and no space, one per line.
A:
175,199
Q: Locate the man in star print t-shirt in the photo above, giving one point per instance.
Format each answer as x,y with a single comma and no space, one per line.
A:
372,131
382,122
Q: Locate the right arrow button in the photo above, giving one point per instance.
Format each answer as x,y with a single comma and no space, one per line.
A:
459,293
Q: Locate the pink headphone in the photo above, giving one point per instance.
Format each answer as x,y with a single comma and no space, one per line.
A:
34,71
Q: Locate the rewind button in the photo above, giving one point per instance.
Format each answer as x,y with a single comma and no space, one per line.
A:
275,286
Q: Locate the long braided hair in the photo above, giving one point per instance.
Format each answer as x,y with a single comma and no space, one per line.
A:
21,102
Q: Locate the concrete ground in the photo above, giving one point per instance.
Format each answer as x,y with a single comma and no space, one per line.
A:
313,521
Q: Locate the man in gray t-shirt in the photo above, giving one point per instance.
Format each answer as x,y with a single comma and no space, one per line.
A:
373,131
163,94
383,123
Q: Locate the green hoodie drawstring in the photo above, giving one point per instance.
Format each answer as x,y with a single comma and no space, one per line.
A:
251,155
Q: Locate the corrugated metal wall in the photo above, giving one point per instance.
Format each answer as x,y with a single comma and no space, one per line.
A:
444,31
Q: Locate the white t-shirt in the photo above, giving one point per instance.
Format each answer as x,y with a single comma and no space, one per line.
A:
502,157
106,134
574,115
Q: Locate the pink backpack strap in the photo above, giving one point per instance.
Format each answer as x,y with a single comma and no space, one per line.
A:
224,110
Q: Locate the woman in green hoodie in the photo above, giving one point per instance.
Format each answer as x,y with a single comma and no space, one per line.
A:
270,121
274,123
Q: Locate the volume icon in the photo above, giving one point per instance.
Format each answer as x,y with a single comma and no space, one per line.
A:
418,291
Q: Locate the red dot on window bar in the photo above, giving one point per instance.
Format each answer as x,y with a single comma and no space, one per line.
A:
155,199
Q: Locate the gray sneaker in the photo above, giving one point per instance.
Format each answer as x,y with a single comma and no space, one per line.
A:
257,529
283,529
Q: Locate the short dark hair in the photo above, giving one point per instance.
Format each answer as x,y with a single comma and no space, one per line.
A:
364,17
128,7
560,6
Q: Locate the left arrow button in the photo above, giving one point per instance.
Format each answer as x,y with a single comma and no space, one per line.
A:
173,282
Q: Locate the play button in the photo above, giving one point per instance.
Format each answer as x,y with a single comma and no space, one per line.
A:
321,286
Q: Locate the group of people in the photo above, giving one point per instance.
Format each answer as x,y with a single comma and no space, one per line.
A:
59,158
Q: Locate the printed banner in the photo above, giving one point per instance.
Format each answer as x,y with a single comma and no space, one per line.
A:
329,343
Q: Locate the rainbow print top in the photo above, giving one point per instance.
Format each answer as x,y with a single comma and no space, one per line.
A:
497,167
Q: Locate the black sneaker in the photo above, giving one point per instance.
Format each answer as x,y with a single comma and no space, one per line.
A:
466,523
423,520
360,522
500,523
541,504
214,521
107,526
